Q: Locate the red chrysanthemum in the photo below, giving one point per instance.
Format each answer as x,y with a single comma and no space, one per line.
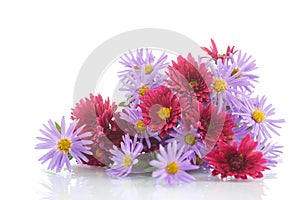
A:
214,126
187,79
98,116
240,162
213,52
160,110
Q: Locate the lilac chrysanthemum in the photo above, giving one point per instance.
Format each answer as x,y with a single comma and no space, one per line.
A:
172,165
225,84
62,143
126,157
190,140
255,114
143,73
134,117
271,152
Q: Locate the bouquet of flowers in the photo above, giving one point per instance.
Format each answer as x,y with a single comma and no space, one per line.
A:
188,115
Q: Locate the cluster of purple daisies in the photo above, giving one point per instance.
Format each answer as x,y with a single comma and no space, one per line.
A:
187,115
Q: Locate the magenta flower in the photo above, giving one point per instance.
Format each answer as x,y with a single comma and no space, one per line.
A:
172,165
62,143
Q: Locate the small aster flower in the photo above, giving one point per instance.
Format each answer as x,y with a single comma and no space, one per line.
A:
257,115
224,86
188,78
144,60
136,84
62,143
213,52
240,162
143,73
172,165
271,152
160,110
190,140
126,157
245,66
134,117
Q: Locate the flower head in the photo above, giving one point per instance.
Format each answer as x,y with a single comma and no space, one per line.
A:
62,143
134,117
188,78
213,52
160,110
271,152
257,115
172,165
98,115
214,126
143,74
190,140
126,157
240,162
224,86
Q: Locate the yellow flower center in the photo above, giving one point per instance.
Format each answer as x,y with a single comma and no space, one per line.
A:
236,70
164,113
190,139
140,126
258,115
142,90
219,85
127,161
148,69
193,83
64,145
98,153
172,168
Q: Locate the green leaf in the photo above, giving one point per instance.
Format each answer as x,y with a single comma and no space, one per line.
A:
150,169
122,104
142,163
70,156
58,127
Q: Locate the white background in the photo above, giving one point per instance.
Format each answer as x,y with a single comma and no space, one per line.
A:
44,43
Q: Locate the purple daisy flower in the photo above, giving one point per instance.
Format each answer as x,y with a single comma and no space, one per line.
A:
143,61
143,73
134,117
245,66
271,152
189,140
225,84
172,164
62,143
255,114
126,157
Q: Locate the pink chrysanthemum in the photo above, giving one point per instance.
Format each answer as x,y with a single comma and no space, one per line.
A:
98,115
160,110
188,78
240,162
